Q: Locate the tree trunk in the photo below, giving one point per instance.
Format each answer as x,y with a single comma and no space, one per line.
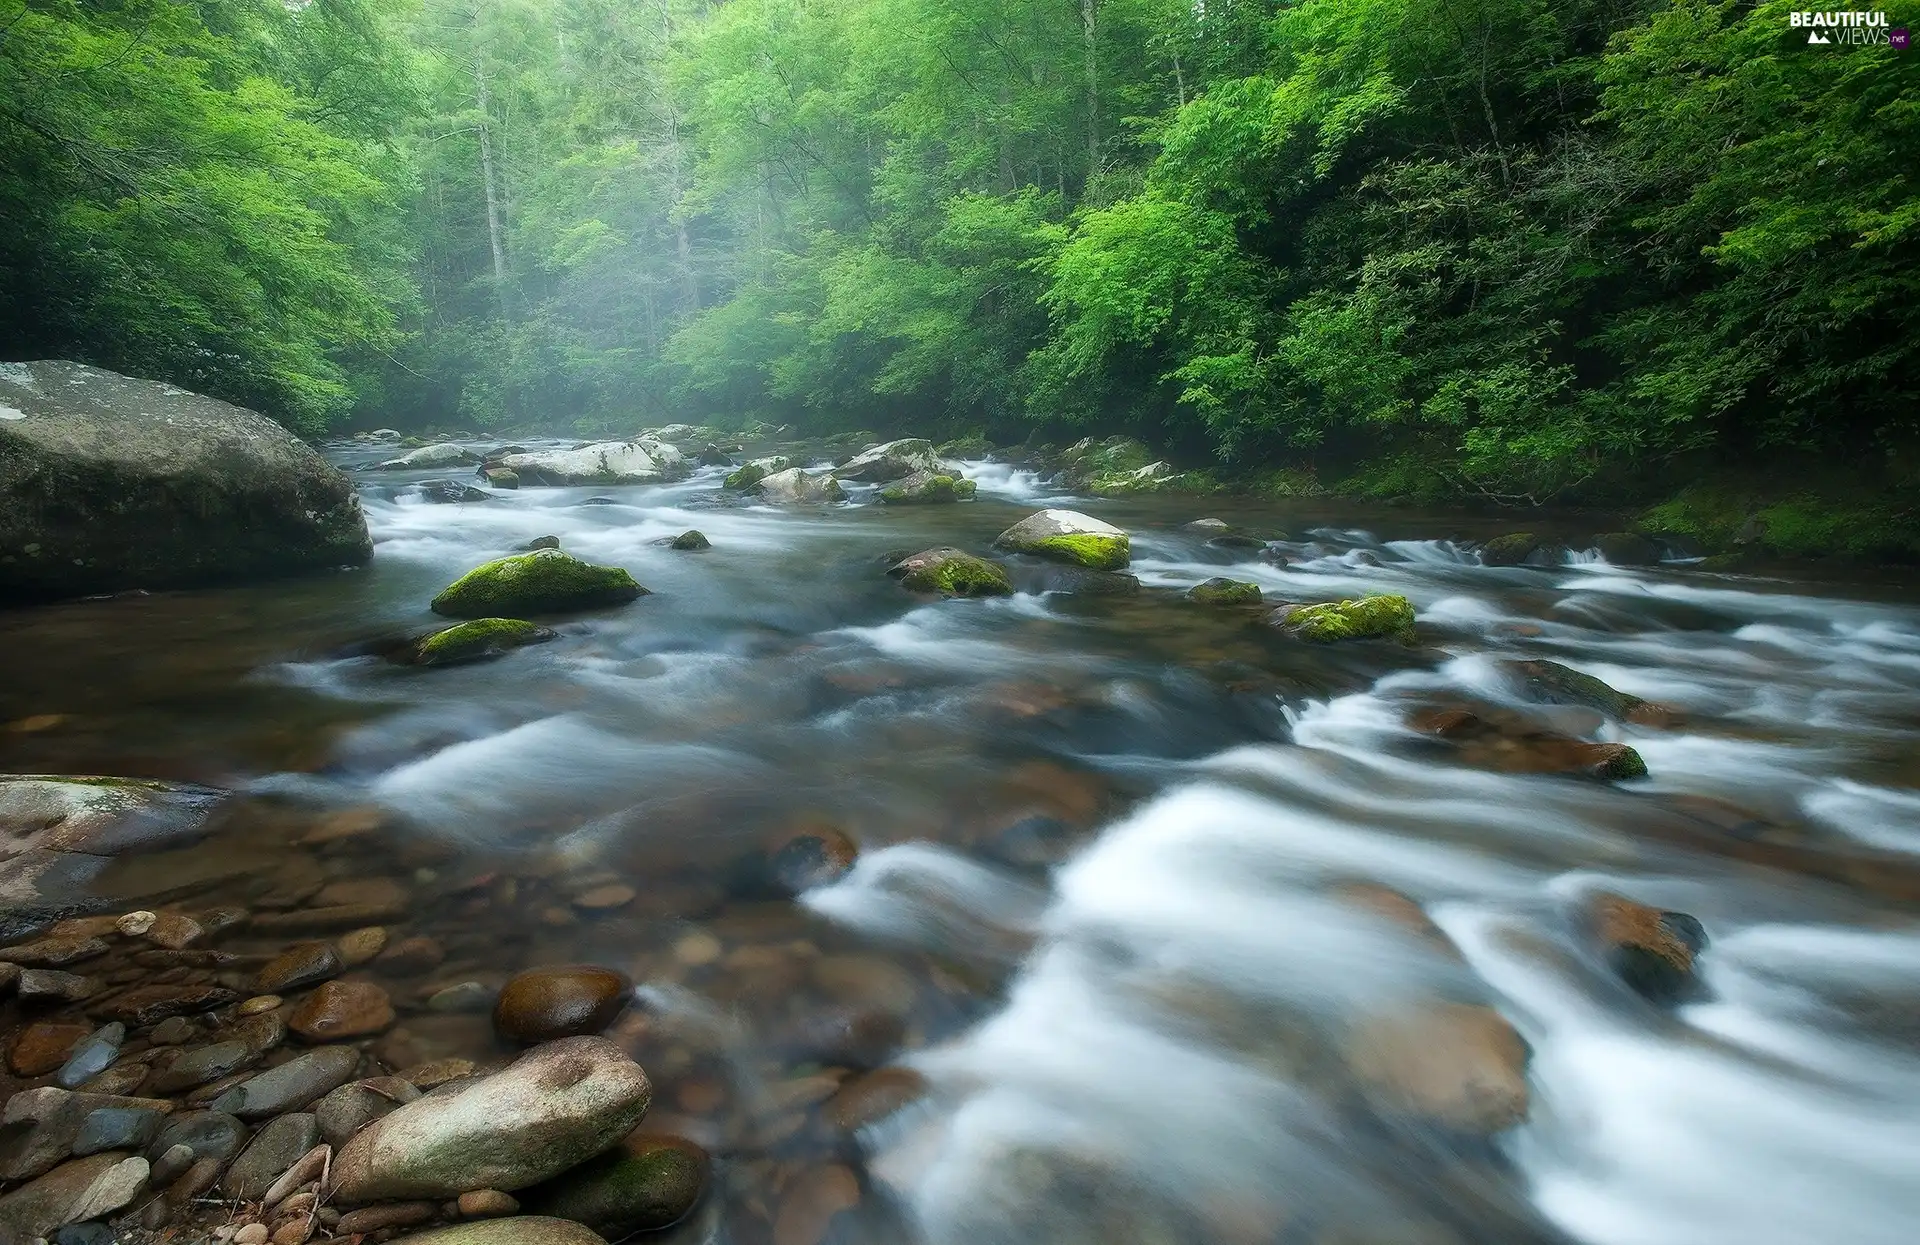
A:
1089,27
495,238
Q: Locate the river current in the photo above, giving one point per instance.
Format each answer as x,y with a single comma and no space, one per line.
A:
1105,847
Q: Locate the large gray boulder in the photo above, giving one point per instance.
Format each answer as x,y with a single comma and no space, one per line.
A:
798,487
444,454
113,483
643,460
892,461
558,1105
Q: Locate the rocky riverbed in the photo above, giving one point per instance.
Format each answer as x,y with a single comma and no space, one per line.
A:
973,861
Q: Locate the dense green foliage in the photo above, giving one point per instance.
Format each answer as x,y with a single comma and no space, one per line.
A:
1499,247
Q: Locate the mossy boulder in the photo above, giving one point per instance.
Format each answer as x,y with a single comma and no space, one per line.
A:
1222,591
974,446
743,478
691,539
928,488
545,581
1367,617
1627,549
1513,549
113,483
477,640
952,572
1088,460
648,1182
1069,536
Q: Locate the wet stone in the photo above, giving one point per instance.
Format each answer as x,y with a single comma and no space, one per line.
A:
464,996
92,1055
208,1063
117,1128
173,1031
411,956
122,1078
439,1072
275,1148
54,952
84,1189
646,1183
38,1126
351,1107
45,1045
305,964
341,1009
546,1003
174,932
263,1031
53,985
293,1084
361,945
149,1005
811,1200
168,1167
209,1134
257,1004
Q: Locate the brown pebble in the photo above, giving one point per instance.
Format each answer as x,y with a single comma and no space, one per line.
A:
43,1046
602,898
412,955
361,945
487,1204
697,948
391,1215
557,917
172,1031
342,1009
54,952
251,1234
439,1072
292,1232
174,932
257,1004
810,1202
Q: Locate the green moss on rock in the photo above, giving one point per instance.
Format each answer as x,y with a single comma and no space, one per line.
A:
1513,549
928,489
477,641
745,478
1102,553
954,573
1222,591
546,581
1385,615
693,538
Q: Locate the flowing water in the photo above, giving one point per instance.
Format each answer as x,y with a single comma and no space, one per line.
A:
1110,847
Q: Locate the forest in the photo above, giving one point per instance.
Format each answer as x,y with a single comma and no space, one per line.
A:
1517,250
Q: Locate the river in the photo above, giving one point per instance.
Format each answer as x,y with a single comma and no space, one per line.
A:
1098,904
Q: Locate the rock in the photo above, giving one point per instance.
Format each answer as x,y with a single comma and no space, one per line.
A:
250,1234
115,483
445,454
1222,591
377,1218
361,946
304,964
48,984
308,1168
53,952
54,826
646,1183
640,461
148,1005
543,582
1460,1066
541,542
95,1233
1105,466
515,1230
352,1107
952,572
546,1003
811,1200
892,461
1210,525
500,477
170,1165
1084,582
293,1084
75,1192
117,1128
332,917
121,1079
45,1045
690,540
796,487
438,1072
410,956
1513,549
1627,549
873,1096
134,924
451,492
478,640
209,1134
1652,951
714,456
39,1126
745,478
1069,536
812,858
487,1204
209,1063
274,1149
173,1031
174,931
928,488
342,1009
558,1105
463,996
1556,755
1348,620
1562,685
263,1030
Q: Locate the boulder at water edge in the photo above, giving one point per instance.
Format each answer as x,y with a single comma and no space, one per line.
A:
115,483
1069,536
892,461
514,1230
556,1106
641,1185
545,581
1367,617
928,488
476,641
641,461
952,572
56,831
796,487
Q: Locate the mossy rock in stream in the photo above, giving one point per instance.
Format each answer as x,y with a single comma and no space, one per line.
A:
928,488
1513,549
545,581
1223,591
952,572
745,477
1563,685
643,1184
1368,617
476,641
1069,536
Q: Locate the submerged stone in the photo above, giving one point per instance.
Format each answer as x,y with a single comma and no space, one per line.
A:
545,581
478,640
